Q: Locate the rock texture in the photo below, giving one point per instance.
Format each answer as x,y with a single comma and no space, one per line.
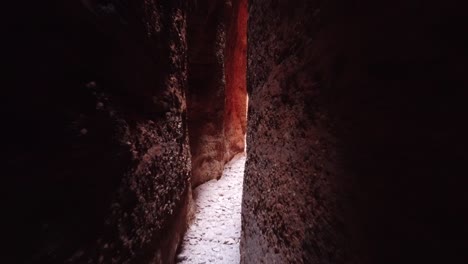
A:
206,89
355,133
98,166
214,233
217,87
235,112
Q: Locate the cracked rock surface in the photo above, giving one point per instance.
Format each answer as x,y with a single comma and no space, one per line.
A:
214,234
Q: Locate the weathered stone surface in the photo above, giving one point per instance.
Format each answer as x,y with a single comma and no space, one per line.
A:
217,87
353,133
98,157
235,112
206,86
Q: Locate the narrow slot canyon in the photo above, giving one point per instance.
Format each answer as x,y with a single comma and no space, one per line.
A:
216,113
235,131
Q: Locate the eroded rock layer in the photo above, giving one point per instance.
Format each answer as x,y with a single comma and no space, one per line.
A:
206,37
98,167
235,112
216,84
355,132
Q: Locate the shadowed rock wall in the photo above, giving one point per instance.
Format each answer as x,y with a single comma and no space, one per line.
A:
235,112
206,37
98,166
217,93
355,133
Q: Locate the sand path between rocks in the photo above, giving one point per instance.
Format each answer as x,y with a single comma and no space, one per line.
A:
214,234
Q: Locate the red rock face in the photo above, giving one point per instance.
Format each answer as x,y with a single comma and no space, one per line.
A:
206,90
235,71
99,164
354,133
217,93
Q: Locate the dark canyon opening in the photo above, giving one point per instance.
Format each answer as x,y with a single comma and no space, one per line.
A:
115,110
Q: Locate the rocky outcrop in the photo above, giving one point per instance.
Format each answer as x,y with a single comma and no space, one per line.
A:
98,169
355,133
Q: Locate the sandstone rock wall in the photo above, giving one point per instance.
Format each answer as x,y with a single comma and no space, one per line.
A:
217,87
355,133
206,39
235,112
98,166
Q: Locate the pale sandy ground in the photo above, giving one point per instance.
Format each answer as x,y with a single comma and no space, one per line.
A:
214,234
